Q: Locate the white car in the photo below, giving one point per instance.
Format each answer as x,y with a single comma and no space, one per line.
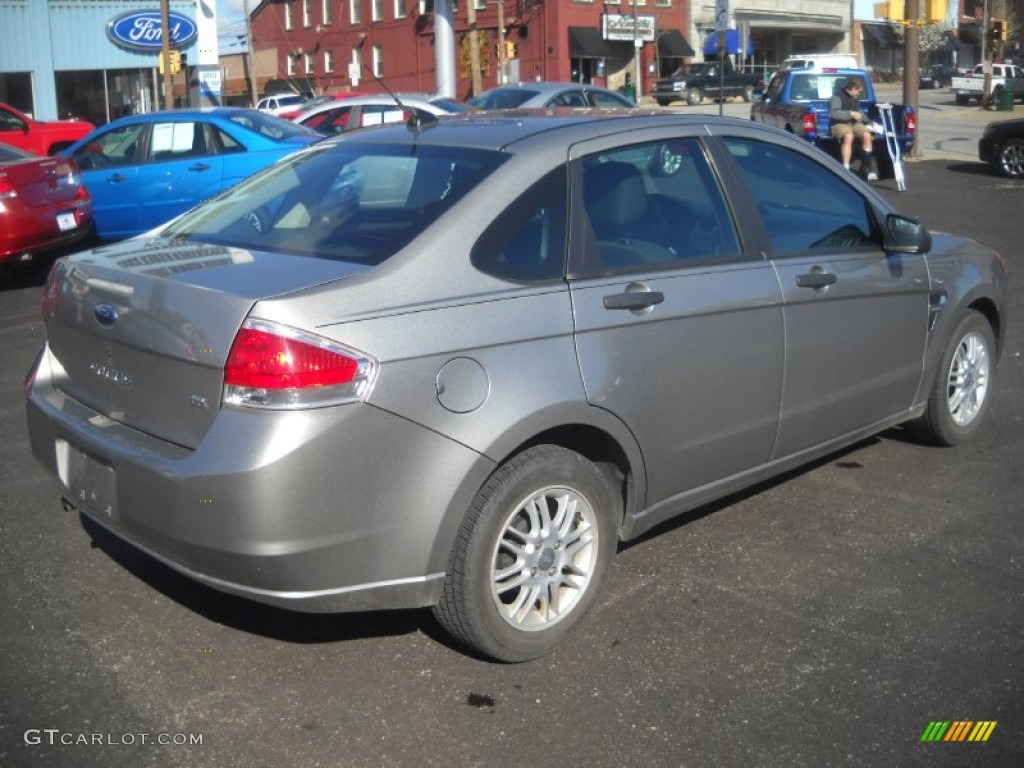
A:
335,117
282,102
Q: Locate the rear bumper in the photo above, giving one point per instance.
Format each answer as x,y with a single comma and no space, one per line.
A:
37,231
299,510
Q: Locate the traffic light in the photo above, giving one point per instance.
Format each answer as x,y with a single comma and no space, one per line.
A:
935,10
996,32
510,50
174,61
890,9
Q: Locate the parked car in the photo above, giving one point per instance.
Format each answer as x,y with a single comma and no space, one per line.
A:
362,111
282,102
455,367
711,79
144,170
293,112
43,204
532,94
1002,145
40,138
937,76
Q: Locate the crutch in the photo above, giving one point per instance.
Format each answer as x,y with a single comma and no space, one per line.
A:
892,144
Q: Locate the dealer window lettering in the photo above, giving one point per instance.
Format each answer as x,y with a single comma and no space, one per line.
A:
55,736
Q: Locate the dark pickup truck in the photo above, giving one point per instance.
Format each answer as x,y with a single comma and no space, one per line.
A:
693,82
798,101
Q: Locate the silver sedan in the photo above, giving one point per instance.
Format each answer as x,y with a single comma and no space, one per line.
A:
454,365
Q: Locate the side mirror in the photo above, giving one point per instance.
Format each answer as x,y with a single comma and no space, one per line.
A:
906,235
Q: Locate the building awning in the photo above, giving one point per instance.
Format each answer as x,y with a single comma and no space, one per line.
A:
882,35
732,43
672,45
587,43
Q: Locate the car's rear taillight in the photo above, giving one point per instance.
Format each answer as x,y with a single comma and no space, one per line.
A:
912,124
810,124
7,188
275,366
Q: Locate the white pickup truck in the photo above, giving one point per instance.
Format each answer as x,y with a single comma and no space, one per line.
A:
972,85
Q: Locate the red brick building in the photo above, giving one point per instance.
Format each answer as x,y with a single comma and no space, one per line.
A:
320,44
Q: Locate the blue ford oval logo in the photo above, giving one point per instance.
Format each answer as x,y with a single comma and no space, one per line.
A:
105,314
140,30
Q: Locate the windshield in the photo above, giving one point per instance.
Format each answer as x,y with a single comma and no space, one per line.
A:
340,201
272,127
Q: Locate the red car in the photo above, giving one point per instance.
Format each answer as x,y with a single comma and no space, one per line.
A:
20,130
42,204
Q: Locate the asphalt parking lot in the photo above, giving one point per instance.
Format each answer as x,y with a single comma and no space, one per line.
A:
823,619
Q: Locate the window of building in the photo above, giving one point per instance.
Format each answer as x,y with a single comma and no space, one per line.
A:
328,61
292,63
378,60
357,60
327,11
355,12
309,64
377,11
307,13
289,15
401,9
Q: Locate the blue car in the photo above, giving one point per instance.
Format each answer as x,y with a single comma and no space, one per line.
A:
144,170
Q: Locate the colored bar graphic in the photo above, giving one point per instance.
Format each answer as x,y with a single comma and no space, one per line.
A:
958,730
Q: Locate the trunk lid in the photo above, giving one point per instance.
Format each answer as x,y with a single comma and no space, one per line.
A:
45,182
141,330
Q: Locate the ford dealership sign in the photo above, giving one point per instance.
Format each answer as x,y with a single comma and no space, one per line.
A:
140,30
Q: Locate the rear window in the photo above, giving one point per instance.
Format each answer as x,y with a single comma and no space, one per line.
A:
343,202
503,98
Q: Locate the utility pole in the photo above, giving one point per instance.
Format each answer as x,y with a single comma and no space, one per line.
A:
248,55
474,47
502,60
165,54
911,60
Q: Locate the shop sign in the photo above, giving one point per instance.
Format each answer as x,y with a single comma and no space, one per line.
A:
141,30
628,27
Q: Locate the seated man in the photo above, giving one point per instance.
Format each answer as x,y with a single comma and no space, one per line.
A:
848,122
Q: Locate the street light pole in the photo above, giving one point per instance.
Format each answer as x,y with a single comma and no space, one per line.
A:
248,55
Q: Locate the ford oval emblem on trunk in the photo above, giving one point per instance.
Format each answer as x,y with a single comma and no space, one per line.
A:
105,314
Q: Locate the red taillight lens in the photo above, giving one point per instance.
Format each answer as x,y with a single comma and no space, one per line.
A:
911,124
810,124
273,366
7,188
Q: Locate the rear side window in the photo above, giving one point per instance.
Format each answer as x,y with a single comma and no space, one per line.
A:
804,206
526,242
344,202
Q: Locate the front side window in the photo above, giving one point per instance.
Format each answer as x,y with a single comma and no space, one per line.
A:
804,205
342,202
114,148
654,205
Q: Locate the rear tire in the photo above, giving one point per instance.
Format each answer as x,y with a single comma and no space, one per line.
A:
962,100
960,394
748,93
694,96
532,556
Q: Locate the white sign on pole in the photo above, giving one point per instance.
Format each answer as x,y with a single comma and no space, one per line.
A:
721,15
353,73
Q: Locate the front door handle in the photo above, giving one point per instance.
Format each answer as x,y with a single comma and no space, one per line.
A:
117,178
199,167
633,300
815,280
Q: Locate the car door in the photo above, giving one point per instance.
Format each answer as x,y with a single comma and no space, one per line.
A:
181,169
678,328
856,318
109,165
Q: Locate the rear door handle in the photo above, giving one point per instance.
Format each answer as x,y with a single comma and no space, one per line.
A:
815,280
633,300
117,178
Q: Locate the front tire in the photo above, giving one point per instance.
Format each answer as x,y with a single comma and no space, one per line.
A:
532,556
1010,159
960,394
694,96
